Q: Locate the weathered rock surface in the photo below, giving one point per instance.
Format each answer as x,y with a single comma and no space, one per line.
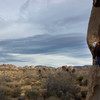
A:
94,84
93,28
92,36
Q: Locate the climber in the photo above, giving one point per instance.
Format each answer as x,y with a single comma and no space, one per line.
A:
96,55
96,3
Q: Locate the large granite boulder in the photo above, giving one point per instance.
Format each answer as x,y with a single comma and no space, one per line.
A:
93,35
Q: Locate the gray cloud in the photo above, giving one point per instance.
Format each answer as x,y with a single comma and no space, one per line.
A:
66,45
38,17
45,27
4,57
55,18
44,44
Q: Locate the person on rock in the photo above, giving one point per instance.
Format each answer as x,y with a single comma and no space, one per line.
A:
96,55
96,3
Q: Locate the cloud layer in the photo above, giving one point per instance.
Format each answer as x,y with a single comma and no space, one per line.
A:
37,28
46,49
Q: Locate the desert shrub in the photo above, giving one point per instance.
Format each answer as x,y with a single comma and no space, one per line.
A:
23,70
84,93
44,94
53,98
73,70
3,96
32,94
2,89
28,82
8,90
80,79
16,92
13,84
26,87
28,74
43,72
5,78
67,96
60,86
21,98
85,82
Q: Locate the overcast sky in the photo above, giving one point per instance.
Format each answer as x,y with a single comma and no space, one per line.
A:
44,32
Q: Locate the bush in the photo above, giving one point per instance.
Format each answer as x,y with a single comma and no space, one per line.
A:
3,97
5,78
28,82
32,94
61,86
2,89
8,91
53,98
84,93
44,94
80,78
13,84
85,82
16,92
21,98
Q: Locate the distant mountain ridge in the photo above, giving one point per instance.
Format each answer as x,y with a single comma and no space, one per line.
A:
11,66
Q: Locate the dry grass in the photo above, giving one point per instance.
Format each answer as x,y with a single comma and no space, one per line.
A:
43,83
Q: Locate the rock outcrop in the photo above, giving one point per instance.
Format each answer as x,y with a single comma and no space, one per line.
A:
94,84
92,36
93,28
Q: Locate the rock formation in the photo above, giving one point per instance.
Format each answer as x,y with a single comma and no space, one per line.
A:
92,36
93,27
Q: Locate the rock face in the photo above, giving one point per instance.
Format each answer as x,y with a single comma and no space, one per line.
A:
93,28
92,36
94,84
